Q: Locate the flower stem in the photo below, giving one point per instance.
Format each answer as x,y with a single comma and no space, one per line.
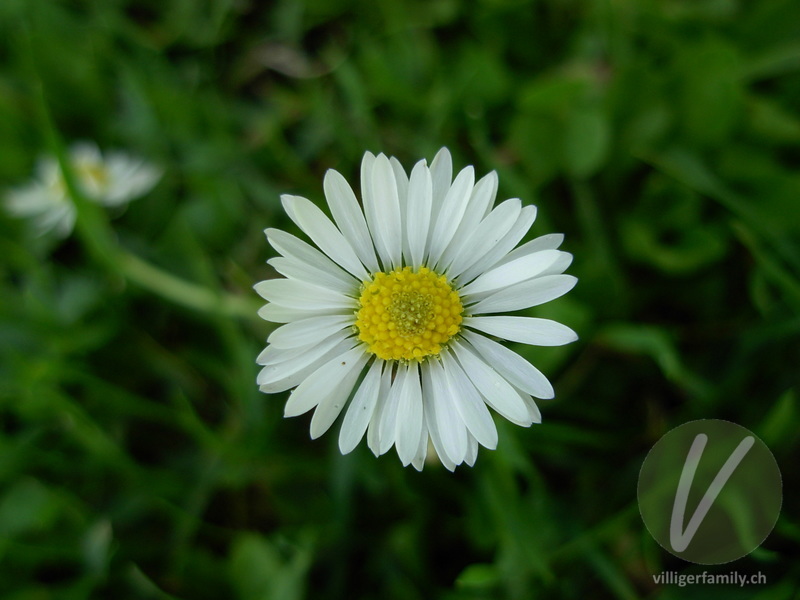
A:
183,292
99,239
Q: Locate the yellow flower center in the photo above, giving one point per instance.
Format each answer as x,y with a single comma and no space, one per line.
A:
95,172
92,178
408,315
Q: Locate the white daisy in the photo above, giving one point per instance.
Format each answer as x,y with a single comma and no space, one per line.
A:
110,180
407,294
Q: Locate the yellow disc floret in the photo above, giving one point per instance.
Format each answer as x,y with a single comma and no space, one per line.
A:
407,315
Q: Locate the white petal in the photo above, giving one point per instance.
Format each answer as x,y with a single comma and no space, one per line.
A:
534,414
422,449
472,451
560,265
89,172
287,376
388,226
32,199
370,206
332,404
308,331
496,391
523,268
49,208
279,363
519,372
429,405
451,213
373,433
293,268
361,409
487,235
550,241
348,216
323,382
272,355
284,314
388,425
305,296
60,219
48,172
402,195
483,195
419,212
319,228
526,330
409,416
448,422
441,177
526,294
85,151
470,405
487,260
127,178
295,248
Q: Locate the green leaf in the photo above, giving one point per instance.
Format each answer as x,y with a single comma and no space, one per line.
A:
587,139
687,167
656,343
711,93
779,425
97,546
27,506
551,94
478,577
680,240
260,570
772,122
533,136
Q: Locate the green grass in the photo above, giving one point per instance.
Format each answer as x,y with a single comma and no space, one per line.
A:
137,457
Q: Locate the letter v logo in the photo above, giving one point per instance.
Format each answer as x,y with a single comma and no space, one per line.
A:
680,540
709,491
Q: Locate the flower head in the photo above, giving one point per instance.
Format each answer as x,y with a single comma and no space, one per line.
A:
111,180
407,293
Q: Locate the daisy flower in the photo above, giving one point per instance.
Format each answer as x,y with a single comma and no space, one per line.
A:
111,180
391,319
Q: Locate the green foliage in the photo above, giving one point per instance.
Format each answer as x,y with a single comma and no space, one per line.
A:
138,459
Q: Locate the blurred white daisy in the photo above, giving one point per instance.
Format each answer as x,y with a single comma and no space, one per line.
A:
409,294
110,180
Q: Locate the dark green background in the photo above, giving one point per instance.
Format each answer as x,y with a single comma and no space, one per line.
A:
137,458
